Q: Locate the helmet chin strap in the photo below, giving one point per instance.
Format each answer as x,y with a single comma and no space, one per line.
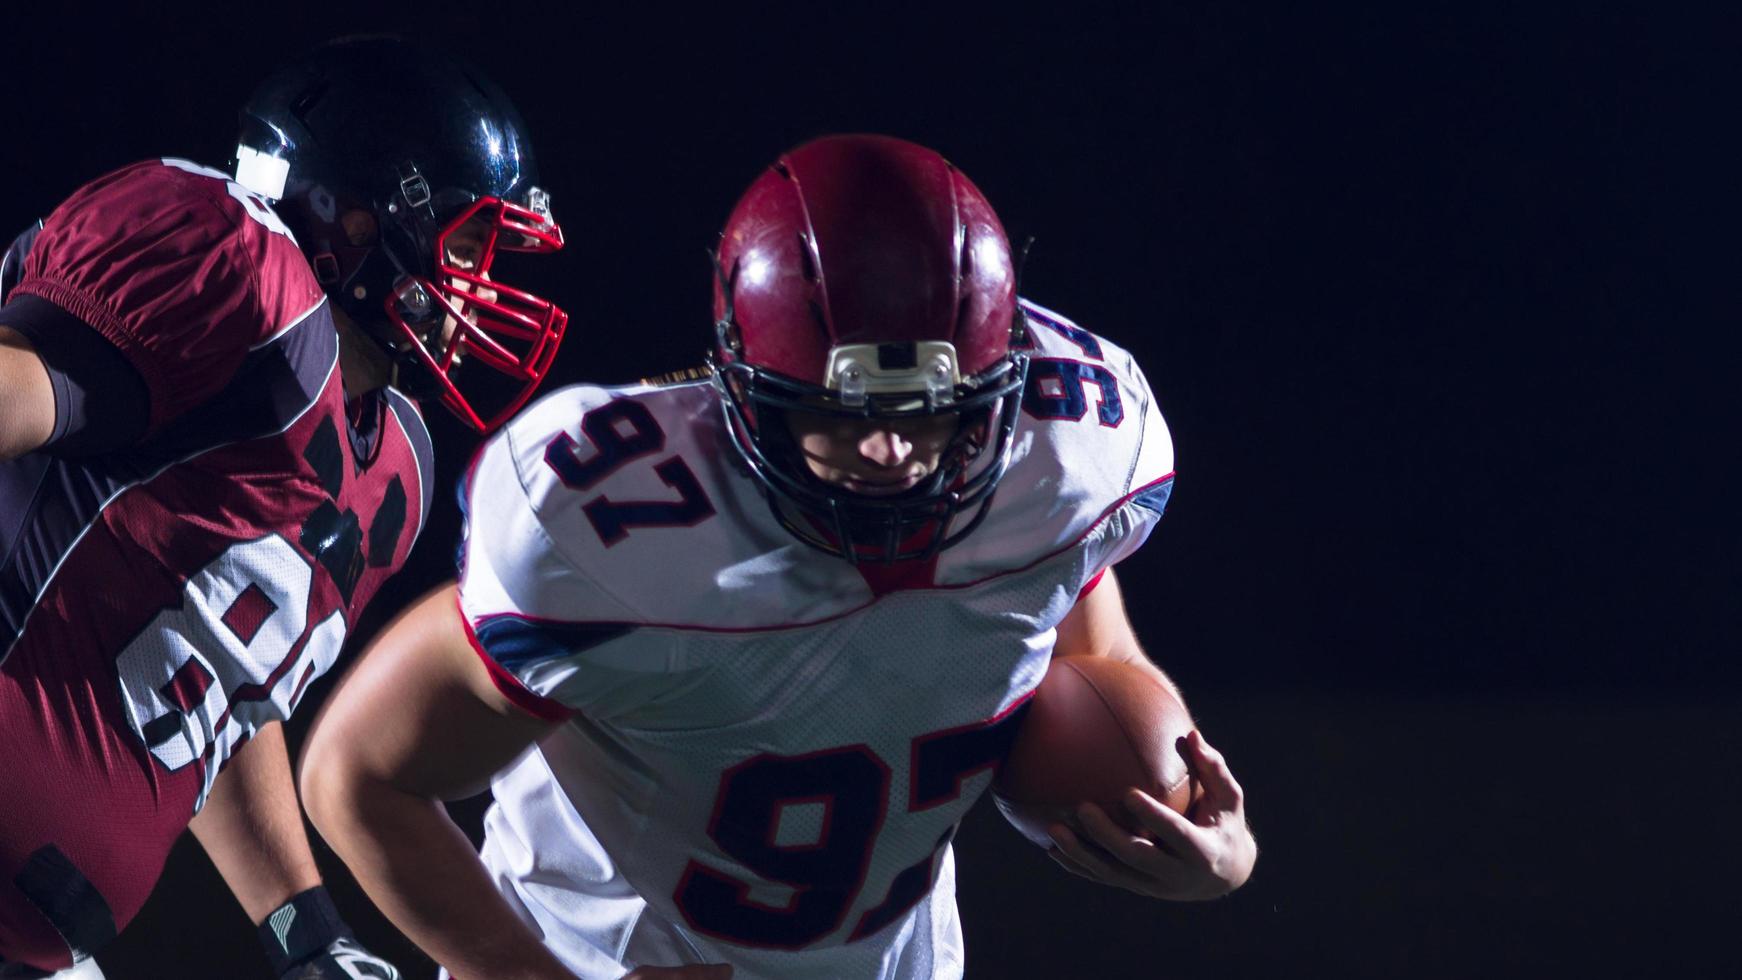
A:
406,373
396,354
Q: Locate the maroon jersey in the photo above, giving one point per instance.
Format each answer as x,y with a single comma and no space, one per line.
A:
159,603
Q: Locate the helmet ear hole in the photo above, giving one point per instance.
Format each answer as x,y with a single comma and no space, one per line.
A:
326,266
360,227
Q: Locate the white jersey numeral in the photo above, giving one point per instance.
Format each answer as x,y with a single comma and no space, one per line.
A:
252,203
231,657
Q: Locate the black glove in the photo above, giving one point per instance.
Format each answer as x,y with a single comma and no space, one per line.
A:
306,940
343,959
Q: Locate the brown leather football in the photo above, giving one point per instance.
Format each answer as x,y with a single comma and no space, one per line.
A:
1096,728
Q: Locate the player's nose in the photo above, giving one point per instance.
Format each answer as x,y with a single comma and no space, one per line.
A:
885,447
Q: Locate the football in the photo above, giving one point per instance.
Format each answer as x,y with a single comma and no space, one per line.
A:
1095,728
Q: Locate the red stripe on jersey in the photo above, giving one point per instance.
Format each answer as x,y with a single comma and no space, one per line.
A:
536,705
914,586
1090,585
882,579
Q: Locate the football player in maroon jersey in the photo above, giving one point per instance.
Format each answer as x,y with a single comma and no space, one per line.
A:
208,465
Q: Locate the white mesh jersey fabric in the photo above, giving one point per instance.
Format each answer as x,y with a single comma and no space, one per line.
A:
767,760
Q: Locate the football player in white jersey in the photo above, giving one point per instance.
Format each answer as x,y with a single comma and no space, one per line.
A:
736,655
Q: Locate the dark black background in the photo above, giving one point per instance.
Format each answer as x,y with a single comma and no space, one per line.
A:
1428,295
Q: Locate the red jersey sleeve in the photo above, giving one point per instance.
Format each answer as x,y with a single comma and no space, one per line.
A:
178,267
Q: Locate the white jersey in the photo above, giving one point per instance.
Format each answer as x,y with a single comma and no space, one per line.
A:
767,750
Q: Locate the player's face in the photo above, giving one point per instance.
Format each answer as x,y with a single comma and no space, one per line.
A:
875,457
464,249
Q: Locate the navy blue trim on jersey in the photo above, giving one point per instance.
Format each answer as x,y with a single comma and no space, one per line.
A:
462,488
1083,339
100,401
514,641
46,508
1155,498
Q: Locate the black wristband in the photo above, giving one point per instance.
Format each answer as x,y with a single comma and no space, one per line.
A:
301,929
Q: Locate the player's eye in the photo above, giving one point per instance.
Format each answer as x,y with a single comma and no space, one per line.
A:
464,246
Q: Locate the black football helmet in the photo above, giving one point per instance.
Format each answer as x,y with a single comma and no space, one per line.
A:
403,173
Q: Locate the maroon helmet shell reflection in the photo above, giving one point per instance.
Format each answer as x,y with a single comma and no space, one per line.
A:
866,276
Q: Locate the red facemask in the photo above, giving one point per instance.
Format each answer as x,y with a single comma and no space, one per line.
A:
509,331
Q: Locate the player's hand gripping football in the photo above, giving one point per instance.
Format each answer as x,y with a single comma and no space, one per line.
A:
1207,853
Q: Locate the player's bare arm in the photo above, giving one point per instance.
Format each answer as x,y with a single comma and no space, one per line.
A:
418,722
1098,627
415,723
26,394
252,829
26,397
1204,854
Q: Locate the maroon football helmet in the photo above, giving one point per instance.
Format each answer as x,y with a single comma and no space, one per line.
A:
865,276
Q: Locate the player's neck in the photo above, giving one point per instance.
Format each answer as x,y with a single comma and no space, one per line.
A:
363,365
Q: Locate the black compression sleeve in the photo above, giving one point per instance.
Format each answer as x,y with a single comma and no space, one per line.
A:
100,401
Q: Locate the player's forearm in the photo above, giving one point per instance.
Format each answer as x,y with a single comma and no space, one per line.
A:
422,872
251,827
1098,627
26,397
405,729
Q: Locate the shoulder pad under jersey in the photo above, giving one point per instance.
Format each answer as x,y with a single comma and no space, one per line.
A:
180,268
1092,463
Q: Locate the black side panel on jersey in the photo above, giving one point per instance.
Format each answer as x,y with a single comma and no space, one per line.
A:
21,483
273,387
12,262
100,402
69,901
418,435
47,502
